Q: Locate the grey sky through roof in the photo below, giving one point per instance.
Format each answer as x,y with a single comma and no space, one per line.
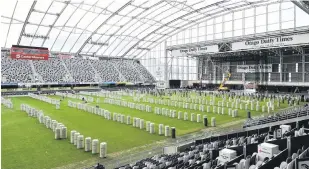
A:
119,28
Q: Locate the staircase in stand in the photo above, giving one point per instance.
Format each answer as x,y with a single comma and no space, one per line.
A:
97,77
36,77
121,77
71,79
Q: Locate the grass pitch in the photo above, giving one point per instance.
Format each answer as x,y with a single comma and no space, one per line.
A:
29,145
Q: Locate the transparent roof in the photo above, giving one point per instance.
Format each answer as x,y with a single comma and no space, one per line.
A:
119,28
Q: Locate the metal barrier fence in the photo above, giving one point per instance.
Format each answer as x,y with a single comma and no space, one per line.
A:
280,116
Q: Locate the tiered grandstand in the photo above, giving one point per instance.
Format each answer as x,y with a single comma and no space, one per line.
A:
74,70
155,84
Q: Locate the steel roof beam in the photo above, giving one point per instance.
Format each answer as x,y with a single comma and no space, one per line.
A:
62,27
41,21
10,23
174,20
221,13
135,17
85,29
301,6
25,23
110,36
168,26
58,16
94,32
107,11
144,29
49,13
76,26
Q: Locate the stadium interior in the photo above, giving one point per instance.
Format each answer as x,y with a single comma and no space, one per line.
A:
154,84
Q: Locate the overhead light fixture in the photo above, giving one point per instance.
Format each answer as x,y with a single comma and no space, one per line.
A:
35,36
140,48
98,43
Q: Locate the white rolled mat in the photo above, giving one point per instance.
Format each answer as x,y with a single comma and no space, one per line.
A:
95,146
151,129
128,120
72,136
88,144
192,116
160,129
147,125
185,117
103,150
80,142
167,131
75,138
179,115
141,124
63,133
57,133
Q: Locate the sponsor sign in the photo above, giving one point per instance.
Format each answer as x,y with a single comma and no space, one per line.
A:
29,53
272,42
254,68
195,50
64,56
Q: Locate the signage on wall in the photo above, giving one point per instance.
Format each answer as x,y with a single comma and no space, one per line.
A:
195,50
272,42
254,68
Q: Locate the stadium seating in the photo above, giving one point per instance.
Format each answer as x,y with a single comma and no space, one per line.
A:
82,70
51,70
106,71
15,70
128,70
143,71
204,154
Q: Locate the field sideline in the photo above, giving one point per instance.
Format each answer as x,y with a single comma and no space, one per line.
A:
20,132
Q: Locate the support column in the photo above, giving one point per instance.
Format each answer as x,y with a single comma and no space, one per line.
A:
303,63
214,74
165,65
199,63
281,66
187,68
243,74
261,73
177,68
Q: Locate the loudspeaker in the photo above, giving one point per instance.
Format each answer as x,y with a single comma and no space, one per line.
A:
173,132
205,122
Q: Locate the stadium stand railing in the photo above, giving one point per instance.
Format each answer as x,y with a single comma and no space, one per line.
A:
280,116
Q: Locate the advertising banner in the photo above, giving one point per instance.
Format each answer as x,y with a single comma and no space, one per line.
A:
195,50
64,56
254,68
276,41
29,53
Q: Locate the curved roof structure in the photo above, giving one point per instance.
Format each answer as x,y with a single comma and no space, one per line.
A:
113,28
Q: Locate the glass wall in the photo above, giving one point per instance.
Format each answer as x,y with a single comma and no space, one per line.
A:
184,68
256,20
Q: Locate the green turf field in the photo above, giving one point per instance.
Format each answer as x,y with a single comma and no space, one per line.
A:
31,144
